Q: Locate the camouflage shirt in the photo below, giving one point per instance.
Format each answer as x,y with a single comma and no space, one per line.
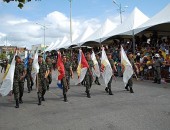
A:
29,69
42,71
67,67
19,70
50,65
91,65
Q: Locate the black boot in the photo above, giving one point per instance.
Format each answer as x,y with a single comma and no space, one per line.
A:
155,81
127,87
106,89
131,90
65,98
20,100
39,99
110,92
17,104
88,95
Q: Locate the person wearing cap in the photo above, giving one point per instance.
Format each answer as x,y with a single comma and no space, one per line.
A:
50,66
18,84
41,79
109,85
68,69
130,81
157,63
89,74
28,75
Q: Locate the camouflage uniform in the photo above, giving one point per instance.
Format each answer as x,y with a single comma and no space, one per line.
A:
49,78
109,85
97,78
130,81
29,77
18,84
42,85
89,77
68,66
157,70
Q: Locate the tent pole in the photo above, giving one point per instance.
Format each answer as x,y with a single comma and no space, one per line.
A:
133,36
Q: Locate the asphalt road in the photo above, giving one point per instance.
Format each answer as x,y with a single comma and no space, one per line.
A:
147,109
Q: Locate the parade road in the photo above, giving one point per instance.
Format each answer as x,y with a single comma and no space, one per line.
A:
146,109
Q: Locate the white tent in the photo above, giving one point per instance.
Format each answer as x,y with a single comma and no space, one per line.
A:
81,39
106,28
161,20
47,49
56,46
135,19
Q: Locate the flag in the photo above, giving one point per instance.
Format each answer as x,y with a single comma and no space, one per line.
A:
106,67
82,66
96,65
35,66
7,83
26,61
61,70
128,70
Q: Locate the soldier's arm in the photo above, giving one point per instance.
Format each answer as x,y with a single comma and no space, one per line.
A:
71,71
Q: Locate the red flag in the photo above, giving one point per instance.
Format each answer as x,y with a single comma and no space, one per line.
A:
84,61
60,67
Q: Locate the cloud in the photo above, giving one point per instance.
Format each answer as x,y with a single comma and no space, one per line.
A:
23,32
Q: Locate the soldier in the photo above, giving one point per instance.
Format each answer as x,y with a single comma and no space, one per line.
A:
42,78
18,84
157,63
89,75
130,81
108,88
49,78
28,76
99,63
68,70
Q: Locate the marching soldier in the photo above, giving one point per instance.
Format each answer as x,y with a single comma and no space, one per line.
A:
68,70
130,81
42,78
89,75
99,63
157,63
28,75
108,88
49,78
18,84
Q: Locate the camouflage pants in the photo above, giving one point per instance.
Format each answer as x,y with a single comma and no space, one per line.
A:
18,89
109,85
88,82
130,82
65,86
42,86
157,73
68,81
29,81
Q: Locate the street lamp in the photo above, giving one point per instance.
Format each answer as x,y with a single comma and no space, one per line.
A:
120,9
44,28
70,20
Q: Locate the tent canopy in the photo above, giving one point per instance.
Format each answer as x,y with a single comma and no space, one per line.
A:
135,19
159,22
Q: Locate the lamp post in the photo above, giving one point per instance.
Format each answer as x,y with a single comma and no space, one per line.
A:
70,20
119,5
44,28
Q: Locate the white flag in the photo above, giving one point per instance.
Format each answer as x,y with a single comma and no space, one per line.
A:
128,70
106,67
7,84
96,65
35,66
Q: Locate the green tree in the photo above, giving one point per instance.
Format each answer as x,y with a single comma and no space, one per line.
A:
20,2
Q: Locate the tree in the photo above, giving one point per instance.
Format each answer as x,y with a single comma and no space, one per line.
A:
20,2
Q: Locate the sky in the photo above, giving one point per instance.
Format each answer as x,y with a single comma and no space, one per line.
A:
18,26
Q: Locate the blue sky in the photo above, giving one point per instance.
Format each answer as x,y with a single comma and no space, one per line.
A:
19,24
81,8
